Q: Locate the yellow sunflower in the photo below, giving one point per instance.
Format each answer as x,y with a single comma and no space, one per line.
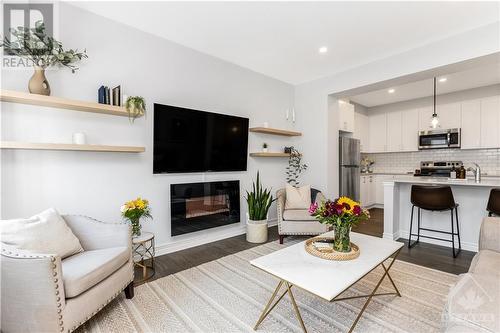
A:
348,201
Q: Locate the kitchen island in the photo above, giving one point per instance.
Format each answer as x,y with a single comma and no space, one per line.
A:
471,196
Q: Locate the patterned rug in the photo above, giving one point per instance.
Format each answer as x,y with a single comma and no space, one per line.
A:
228,295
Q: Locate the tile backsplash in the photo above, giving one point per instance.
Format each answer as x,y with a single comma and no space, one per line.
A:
488,159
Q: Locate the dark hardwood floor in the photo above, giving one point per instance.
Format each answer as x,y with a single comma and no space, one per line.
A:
424,254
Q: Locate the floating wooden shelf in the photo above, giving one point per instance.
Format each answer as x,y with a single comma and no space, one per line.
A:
61,103
274,131
69,146
262,154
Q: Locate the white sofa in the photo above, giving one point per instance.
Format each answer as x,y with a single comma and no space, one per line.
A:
474,302
297,221
42,293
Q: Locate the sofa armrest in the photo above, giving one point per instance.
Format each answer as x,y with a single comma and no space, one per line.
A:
95,235
489,236
32,291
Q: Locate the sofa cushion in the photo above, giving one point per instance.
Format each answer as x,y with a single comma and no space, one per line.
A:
298,197
86,269
46,233
474,302
297,215
486,262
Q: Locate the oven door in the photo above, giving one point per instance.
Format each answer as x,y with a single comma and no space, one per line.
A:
434,139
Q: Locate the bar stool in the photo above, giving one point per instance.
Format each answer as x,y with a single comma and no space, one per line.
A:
434,198
493,207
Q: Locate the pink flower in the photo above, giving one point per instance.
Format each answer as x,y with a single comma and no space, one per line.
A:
357,210
313,208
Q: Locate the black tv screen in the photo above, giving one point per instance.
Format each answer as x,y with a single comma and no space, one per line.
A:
188,140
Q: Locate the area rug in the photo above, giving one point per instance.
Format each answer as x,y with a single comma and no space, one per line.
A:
228,295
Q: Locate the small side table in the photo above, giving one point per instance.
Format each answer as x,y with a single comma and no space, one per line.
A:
143,252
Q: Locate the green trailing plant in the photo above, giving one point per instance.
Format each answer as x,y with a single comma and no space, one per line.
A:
135,106
295,167
259,201
44,51
264,145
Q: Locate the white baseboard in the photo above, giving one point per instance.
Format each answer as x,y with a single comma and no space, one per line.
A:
468,246
182,244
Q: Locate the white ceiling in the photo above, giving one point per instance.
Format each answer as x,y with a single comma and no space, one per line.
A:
281,39
468,79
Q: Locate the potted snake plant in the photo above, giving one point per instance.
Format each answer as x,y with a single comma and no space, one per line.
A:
259,201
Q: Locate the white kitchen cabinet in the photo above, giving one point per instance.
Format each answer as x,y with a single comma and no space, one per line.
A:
449,115
377,133
346,117
490,122
409,130
394,136
471,124
424,118
361,130
366,190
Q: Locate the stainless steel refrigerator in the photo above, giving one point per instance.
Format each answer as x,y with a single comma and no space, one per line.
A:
349,160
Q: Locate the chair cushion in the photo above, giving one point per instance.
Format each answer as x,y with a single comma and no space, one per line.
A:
86,269
486,262
298,197
46,233
297,215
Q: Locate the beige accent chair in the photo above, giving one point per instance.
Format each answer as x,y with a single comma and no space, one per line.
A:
42,293
297,221
474,302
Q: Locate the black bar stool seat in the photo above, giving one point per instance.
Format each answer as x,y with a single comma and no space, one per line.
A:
493,207
434,198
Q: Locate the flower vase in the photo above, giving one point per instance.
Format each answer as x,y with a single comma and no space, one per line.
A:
136,227
342,239
38,83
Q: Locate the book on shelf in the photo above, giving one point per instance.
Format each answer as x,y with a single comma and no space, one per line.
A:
101,95
116,93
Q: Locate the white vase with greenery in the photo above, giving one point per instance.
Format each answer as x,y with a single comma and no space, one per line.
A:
259,201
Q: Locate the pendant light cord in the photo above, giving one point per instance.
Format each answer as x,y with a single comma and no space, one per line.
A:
434,114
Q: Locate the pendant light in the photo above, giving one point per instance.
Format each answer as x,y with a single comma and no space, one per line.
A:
435,118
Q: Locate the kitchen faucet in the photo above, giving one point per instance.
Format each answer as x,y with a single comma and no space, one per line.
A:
477,172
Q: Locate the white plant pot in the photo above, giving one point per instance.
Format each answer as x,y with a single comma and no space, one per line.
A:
264,150
256,231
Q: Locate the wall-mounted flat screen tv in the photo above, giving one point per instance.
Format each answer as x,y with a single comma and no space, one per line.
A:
187,140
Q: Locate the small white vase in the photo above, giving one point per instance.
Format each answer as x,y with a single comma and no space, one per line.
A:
256,231
264,150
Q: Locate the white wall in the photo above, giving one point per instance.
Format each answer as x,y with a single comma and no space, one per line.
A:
96,184
311,99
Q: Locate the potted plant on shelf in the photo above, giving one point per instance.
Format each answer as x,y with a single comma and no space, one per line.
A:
133,211
295,167
259,200
264,147
44,51
341,214
135,106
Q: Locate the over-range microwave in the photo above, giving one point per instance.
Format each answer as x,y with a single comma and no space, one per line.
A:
439,138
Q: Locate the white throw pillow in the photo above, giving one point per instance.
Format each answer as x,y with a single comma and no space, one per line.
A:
298,197
45,233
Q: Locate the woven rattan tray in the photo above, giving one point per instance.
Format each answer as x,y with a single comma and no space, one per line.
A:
330,253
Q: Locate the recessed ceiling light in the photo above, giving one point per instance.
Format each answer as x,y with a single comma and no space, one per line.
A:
341,101
443,79
323,49
391,91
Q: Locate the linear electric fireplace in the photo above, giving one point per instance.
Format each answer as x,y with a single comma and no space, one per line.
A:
199,206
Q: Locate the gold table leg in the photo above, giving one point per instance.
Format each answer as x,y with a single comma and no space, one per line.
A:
268,308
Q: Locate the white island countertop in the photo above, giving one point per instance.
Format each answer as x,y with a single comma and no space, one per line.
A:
485,181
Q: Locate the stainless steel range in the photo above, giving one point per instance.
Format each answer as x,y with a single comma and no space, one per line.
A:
438,169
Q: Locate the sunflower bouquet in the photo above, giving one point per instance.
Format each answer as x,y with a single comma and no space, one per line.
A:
133,211
341,214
